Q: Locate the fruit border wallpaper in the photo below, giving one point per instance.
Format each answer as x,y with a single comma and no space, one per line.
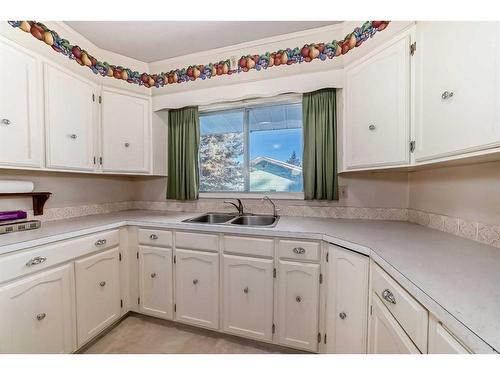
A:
287,56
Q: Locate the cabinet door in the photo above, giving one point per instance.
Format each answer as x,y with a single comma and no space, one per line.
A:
38,313
20,108
377,117
70,120
386,335
248,297
97,293
125,131
441,341
155,281
470,119
298,305
197,288
347,302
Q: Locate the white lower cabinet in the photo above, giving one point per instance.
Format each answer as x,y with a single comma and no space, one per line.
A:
155,282
442,341
197,288
38,313
97,293
347,301
386,335
298,305
248,297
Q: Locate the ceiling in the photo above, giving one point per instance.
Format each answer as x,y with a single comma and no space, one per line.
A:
150,41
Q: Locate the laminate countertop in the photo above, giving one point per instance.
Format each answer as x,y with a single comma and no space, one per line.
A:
456,279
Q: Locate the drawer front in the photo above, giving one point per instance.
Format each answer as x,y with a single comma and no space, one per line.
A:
300,250
197,241
262,247
153,237
410,314
26,262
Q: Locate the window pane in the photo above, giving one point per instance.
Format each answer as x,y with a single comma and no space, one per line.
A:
275,143
221,151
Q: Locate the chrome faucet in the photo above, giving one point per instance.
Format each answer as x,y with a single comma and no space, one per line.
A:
266,198
238,206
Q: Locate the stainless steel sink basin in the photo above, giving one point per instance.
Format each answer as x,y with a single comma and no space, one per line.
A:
255,220
211,218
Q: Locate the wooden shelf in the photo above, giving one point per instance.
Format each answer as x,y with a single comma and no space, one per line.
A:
39,199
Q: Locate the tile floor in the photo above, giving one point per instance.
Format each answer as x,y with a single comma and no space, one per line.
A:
138,334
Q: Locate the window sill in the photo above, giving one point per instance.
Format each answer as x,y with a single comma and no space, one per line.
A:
272,195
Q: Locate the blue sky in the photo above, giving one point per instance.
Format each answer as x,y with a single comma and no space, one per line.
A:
276,144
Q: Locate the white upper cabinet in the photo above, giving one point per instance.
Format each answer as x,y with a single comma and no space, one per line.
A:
21,123
125,130
248,297
377,107
70,120
457,92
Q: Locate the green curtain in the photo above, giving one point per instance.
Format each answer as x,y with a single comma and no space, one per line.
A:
183,144
320,136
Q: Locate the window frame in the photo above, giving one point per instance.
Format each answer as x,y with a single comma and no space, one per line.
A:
245,105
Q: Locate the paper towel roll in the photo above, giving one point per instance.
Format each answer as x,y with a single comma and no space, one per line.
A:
15,186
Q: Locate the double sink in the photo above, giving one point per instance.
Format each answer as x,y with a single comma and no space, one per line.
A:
248,220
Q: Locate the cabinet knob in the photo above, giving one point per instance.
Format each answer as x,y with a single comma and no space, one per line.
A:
447,95
195,281
127,144
5,121
102,283
372,127
342,315
153,237
153,275
299,250
298,299
388,296
245,290
34,261
40,316
73,136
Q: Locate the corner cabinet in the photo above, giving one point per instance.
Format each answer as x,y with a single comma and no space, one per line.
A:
457,93
377,107
125,132
70,115
21,122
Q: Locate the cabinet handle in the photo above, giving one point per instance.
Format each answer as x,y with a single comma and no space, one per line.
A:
101,242
153,275
298,299
41,316
447,95
127,144
342,315
245,290
299,250
195,281
102,283
372,127
36,260
153,237
388,296
73,136
5,121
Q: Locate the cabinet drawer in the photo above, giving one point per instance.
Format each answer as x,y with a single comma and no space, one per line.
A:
26,262
155,237
263,247
442,341
197,241
301,250
410,314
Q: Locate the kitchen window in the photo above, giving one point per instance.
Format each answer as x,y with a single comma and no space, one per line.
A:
253,147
